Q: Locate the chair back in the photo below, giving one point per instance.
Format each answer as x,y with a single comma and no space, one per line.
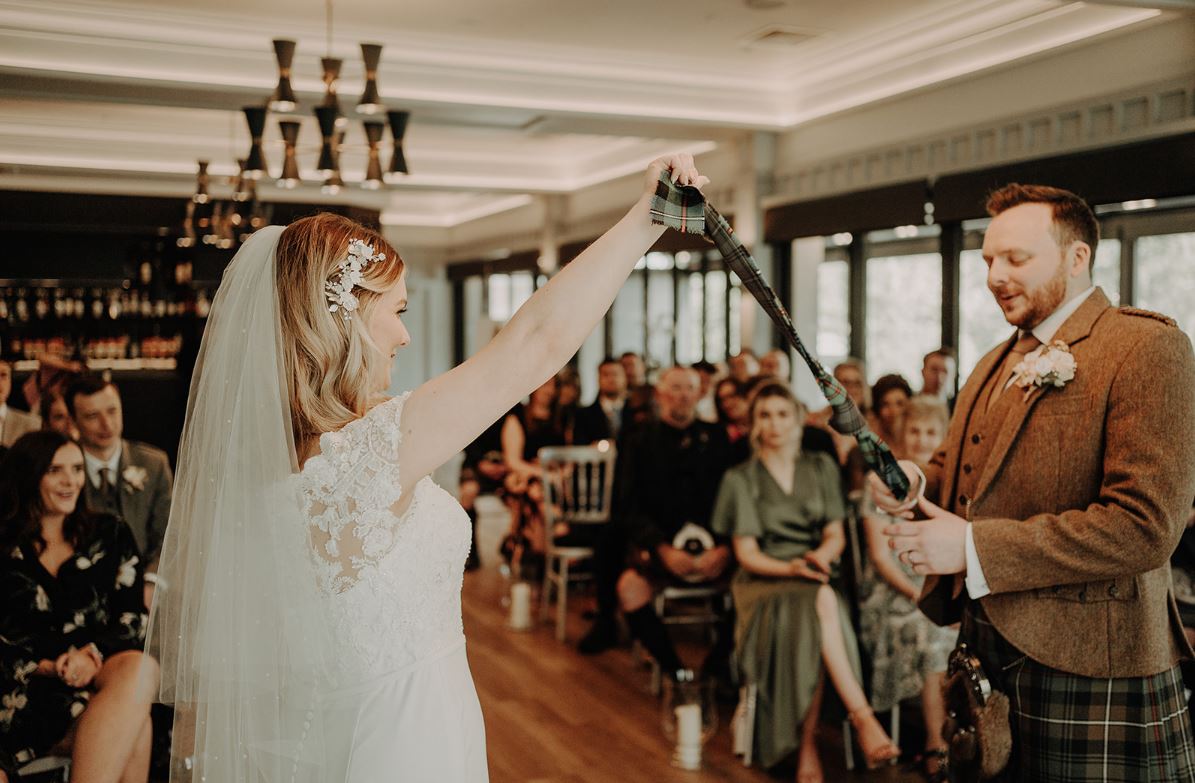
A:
578,483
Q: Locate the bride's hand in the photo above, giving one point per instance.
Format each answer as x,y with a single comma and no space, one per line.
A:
683,172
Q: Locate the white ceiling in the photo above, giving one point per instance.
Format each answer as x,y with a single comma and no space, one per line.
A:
509,98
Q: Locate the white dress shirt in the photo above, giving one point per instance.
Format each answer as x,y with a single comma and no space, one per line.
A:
977,584
94,465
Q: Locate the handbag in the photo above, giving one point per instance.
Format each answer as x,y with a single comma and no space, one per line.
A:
977,729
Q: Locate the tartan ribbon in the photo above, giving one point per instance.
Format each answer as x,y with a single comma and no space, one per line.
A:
685,209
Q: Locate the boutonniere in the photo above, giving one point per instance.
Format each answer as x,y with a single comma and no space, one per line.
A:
134,478
1047,365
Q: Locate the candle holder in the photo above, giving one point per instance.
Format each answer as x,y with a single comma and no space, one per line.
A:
520,606
689,717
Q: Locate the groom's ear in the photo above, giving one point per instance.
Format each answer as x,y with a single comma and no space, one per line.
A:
1079,259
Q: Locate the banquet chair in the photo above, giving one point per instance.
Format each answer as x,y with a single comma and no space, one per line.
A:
578,488
46,768
697,605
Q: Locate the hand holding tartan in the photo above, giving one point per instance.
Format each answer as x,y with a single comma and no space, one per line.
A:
686,209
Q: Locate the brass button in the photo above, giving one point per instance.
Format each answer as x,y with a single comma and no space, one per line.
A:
966,468
1113,590
975,438
964,500
1082,596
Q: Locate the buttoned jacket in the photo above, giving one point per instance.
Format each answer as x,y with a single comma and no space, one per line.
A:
1082,496
141,496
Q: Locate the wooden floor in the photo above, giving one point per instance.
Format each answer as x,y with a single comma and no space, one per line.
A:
555,716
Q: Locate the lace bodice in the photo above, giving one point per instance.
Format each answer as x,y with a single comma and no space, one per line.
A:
392,581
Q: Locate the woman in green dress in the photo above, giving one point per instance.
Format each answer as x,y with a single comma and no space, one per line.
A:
784,510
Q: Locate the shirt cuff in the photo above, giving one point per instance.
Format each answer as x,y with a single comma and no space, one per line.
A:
977,584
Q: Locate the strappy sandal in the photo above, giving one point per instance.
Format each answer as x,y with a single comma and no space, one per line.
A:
884,755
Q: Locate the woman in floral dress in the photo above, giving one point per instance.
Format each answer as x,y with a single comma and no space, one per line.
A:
908,652
73,679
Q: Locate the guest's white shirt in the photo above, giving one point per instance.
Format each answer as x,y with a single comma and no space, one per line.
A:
610,406
977,584
94,465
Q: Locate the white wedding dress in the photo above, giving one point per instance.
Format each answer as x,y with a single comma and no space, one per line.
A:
401,705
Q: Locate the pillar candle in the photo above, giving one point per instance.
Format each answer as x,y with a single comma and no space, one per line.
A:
520,606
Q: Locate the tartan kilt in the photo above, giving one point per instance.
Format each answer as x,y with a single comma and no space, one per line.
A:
1066,727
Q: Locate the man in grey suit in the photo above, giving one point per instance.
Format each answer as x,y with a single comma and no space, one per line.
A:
125,478
13,423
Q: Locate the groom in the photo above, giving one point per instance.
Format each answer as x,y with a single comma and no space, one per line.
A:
1061,490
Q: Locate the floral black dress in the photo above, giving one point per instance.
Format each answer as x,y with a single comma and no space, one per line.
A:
97,596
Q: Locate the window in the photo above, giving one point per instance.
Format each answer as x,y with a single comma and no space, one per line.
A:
904,300
1106,273
1163,278
626,316
715,316
661,315
981,321
833,309
507,293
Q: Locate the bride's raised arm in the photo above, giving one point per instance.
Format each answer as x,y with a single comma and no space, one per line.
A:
448,412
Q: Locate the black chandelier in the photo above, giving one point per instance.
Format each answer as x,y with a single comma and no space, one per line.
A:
331,120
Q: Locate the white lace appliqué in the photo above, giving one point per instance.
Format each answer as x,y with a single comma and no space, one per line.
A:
393,580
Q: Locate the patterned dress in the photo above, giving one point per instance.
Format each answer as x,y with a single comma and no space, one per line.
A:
97,596
903,643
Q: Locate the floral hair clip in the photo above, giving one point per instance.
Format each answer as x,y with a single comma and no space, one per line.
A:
348,275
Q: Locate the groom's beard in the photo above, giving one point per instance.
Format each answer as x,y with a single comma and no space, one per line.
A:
1041,302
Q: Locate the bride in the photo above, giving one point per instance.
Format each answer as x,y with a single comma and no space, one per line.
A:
308,617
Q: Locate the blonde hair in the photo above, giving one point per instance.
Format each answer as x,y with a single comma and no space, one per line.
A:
764,390
923,407
329,360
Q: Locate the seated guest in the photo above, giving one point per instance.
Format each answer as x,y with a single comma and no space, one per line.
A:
784,511
743,366
125,478
889,396
568,402
708,373
775,364
908,651
939,373
640,395
53,375
55,416
525,430
852,374
482,472
667,481
636,369
73,679
603,419
13,423
730,401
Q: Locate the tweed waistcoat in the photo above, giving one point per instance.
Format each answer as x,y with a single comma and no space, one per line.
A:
1078,495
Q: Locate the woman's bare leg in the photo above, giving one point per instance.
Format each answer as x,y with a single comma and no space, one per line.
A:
933,706
809,764
137,770
109,730
872,737
834,652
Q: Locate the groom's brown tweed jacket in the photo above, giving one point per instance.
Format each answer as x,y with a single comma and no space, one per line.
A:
1078,496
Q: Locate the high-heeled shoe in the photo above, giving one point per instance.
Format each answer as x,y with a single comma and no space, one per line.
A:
882,755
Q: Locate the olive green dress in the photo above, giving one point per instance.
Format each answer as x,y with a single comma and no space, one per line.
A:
777,634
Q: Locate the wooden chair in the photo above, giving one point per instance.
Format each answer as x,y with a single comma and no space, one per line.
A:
578,487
